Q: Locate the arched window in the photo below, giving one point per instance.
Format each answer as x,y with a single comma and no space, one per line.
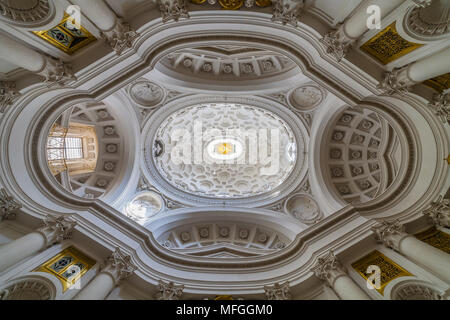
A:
73,149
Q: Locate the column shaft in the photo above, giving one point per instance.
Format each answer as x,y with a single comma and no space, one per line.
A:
98,288
20,55
98,12
356,25
347,289
19,249
434,259
430,67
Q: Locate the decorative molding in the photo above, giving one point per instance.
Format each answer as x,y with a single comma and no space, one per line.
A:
390,233
57,229
396,81
337,43
428,22
169,291
306,97
8,94
278,291
388,45
224,63
29,289
146,93
304,208
415,290
441,106
55,71
287,11
8,206
439,212
389,269
26,13
143,206
223,239
173,9
118,265
329,268
120,37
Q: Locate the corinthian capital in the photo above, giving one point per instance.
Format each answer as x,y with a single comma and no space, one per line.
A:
396,81
121,36
119,266
55,71
286,11
328,268
8,94
337,43
439,212
441,106
57,229
390,233
7,206
169,291
278,291
173,9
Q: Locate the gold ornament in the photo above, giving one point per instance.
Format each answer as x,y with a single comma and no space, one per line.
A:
231,4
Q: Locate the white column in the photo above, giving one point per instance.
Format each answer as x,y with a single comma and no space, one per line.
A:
393,236
332,271
52,69
347,289
400,80
98,12
117,32
356,25
98,288
117,267
20,55
19,249
430,67
339,41
55,229
434,259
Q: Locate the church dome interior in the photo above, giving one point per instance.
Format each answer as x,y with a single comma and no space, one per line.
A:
224,150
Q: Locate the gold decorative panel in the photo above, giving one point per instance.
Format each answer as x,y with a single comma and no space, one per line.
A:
65,36
389,269
435,238
224,297
68,266
388,45
439,83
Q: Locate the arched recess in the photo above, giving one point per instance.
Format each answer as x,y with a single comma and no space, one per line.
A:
415,289
107,76
365,153
30,287
224,234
